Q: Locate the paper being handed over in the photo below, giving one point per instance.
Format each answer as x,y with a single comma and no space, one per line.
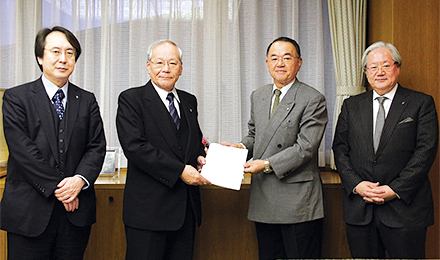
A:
224,166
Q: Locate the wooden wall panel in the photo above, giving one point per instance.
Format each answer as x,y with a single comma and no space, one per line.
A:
3,148
414,28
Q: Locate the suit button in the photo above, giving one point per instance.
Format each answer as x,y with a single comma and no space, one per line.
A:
374,162
61,140
61,151
61,131
62,172
279,146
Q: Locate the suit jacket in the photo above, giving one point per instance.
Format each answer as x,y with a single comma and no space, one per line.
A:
155,197
405,154
34,160
289,139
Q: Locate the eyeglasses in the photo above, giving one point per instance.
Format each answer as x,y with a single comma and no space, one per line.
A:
57,53
286,59
160,64
385,67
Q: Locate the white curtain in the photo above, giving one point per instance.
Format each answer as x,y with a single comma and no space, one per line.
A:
347,26
223,41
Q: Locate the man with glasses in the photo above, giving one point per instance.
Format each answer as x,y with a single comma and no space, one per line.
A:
288,120
161,138
56,145
385,143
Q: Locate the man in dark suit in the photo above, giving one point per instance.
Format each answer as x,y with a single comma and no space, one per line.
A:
56,147
385,143
285,130
161,138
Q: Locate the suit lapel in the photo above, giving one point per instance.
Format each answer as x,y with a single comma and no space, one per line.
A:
72,109
365,112
400,102
187,109
43,108
161,116
273,123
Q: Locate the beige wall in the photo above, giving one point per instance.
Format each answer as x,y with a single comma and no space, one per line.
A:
414,28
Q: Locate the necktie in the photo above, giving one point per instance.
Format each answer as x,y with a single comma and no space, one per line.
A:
380,120
173,110
58,103
276,102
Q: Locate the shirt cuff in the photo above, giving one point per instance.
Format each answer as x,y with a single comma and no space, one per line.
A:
87,185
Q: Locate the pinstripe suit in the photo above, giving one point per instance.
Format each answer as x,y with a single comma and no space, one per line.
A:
405,154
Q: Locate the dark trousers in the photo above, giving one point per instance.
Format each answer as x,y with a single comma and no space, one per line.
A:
157,245
60,240
372,240
281,241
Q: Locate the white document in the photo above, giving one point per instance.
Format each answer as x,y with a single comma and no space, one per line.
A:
224,166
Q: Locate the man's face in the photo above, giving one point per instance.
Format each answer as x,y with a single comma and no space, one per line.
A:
382,73
283,63
58,60
165,67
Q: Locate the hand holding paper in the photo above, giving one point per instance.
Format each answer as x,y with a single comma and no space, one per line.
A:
224,166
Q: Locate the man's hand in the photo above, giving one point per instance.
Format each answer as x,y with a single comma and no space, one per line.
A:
192,177
232,145
374,192
72,206
200,162
68,189
254,167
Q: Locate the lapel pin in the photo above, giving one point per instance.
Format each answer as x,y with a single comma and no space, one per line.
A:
76,96
288,109
403,102
190,110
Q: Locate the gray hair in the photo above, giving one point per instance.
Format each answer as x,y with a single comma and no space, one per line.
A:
158,42
394,53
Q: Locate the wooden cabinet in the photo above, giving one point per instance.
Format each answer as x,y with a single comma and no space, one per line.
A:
2,233
225,232
107,240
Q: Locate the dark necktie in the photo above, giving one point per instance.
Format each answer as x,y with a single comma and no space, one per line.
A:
58,103
173,110
380,120
276,102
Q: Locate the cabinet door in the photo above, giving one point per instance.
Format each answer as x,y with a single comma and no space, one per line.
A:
2,237
107,240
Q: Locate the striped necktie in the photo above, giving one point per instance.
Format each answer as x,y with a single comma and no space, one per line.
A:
173,110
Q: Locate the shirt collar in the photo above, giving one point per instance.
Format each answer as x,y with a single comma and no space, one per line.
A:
163,93
285,88
51,88
389,95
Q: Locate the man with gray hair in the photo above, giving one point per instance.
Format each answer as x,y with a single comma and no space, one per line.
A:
385,143
161,138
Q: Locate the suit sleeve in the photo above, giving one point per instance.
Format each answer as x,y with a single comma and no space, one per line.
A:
414,175
23,151
311,129
249,140
137,146
341,149
91,162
